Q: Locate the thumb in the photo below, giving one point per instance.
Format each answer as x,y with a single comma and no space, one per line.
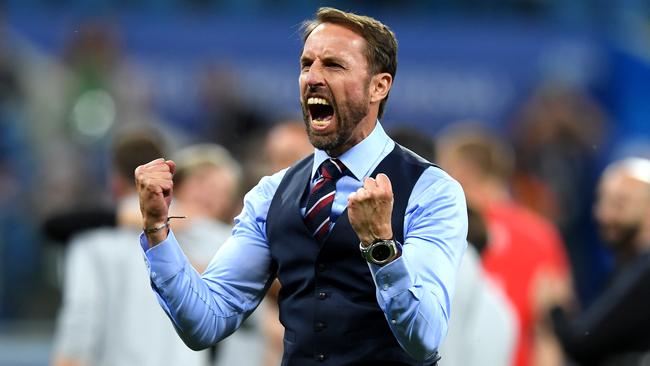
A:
383,182
171,165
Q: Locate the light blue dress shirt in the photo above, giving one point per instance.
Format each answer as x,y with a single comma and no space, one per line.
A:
414,291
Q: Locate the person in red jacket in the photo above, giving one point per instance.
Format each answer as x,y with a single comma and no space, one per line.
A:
523,247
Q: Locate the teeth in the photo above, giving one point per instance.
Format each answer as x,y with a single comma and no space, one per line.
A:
317,101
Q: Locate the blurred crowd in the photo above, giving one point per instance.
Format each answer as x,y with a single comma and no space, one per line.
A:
558,271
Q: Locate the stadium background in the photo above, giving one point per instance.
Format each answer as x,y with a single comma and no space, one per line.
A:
72,71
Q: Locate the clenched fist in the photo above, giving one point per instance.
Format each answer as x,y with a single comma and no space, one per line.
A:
155,186
370,209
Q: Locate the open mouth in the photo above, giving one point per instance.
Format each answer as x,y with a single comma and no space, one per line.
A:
320,111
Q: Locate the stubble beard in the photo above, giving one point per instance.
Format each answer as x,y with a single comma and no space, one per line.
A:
623,239
347,120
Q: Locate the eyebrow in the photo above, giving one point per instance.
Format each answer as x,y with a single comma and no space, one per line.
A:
334,59
304,59
326,59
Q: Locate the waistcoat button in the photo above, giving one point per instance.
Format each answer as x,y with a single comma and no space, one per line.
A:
319,326
322,295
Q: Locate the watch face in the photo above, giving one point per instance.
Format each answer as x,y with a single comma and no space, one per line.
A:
381,253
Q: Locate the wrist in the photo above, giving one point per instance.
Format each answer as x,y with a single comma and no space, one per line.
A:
157,237
369,240
158,232
150,222
381,252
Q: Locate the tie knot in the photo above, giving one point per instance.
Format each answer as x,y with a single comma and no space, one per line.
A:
333,169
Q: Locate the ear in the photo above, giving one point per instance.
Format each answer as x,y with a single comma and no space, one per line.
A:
380,86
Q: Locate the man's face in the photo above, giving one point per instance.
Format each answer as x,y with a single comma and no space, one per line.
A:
211,190
285,146
620,209
334,86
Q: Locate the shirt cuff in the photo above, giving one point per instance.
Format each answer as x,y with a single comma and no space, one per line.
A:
165,260
393,278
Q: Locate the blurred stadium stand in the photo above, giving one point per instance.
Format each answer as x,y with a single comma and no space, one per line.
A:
458,60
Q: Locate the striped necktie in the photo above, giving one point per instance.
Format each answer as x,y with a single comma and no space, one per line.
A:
321,196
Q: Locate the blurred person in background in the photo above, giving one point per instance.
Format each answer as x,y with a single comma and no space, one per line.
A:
207,182
286,144
227,114
483,330
351,293
615,329
108,316
98,91
522,248
416,141
558,139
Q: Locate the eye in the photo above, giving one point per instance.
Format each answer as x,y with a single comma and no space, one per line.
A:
334,65
305,65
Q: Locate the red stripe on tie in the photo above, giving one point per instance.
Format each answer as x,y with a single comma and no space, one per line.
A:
320,234
319,206
317,186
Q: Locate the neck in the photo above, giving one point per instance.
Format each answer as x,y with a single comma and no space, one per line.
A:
363,129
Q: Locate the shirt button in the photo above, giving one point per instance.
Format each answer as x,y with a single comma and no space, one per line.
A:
319,326
321,357
393,321
322,295
153,274
386,286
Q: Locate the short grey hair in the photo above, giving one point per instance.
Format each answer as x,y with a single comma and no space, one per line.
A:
636,167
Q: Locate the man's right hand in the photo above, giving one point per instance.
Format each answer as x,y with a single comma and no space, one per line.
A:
155,186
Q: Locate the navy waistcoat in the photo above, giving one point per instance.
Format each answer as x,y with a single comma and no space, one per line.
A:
327,301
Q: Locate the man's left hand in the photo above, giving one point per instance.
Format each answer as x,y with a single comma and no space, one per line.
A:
370,209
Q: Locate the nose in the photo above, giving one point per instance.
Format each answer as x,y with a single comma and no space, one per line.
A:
314,77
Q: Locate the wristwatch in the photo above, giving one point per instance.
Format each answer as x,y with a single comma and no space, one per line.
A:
380,251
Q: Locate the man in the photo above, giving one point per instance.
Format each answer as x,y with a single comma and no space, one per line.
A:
523,248
286,144
367,264
615,329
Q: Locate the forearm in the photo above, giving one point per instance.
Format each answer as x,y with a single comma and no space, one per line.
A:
194,310
581,341
205,309
415,290
415,314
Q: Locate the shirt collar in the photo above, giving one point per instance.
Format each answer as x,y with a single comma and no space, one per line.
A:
361,157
